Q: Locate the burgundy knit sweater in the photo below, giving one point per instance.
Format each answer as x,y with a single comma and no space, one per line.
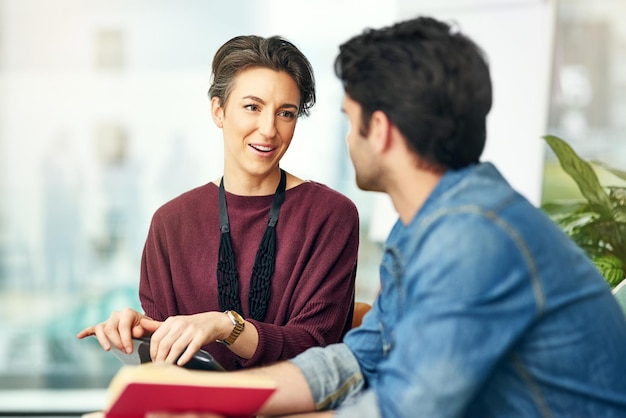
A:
312,291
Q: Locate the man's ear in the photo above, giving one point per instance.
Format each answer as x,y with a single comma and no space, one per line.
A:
380,131
217,111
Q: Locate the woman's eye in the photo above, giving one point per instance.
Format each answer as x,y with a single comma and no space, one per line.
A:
251,107
287,114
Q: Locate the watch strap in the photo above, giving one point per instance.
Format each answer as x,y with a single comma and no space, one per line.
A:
238,326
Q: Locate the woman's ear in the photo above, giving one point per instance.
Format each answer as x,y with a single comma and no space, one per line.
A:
217,111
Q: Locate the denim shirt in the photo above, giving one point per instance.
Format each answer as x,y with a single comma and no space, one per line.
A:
486,309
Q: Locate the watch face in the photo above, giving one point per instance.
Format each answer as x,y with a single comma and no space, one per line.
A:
238,319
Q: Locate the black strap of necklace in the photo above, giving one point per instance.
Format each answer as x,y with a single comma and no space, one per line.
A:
263,269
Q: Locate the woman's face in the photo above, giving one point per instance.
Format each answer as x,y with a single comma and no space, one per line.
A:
258,121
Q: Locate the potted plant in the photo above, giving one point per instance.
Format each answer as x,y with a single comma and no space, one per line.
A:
597,221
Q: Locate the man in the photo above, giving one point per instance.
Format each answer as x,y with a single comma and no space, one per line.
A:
486,308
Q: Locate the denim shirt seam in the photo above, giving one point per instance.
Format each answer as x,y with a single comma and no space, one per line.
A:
398,267
533,271
535,390
340,392
511,232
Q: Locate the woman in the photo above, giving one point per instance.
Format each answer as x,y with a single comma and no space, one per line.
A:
213,267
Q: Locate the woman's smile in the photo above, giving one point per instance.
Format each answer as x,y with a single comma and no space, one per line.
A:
264,149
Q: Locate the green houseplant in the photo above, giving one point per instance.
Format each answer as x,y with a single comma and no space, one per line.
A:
597,222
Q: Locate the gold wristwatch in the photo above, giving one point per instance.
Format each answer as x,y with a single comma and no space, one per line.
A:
238,323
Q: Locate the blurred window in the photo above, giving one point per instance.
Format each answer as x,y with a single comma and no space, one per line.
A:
588,98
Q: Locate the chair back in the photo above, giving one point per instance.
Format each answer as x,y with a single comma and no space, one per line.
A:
360,309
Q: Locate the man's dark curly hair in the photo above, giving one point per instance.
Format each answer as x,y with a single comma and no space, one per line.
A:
430,80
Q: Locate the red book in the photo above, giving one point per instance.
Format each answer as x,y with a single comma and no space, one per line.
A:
137,390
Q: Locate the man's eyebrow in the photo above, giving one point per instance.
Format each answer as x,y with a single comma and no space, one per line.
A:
282,106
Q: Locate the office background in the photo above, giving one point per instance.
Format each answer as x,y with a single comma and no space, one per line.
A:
104,116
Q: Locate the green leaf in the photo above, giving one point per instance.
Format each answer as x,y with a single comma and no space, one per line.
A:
618,173
611,268
564,207
582,173
602,231
619,214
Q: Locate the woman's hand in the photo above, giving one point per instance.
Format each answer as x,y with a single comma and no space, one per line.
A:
119,330
179,337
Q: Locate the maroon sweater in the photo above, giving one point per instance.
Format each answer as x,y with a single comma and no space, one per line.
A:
312,292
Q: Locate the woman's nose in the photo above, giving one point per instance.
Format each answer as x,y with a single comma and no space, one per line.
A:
267,125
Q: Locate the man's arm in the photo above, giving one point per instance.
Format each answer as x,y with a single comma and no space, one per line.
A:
318,379
293,394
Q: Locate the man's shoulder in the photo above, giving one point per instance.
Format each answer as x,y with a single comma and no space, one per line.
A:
479,189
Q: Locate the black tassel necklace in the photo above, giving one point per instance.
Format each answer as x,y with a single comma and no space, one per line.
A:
260,282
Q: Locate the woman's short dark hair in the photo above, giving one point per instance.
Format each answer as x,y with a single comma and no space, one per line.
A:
276,53
429,79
